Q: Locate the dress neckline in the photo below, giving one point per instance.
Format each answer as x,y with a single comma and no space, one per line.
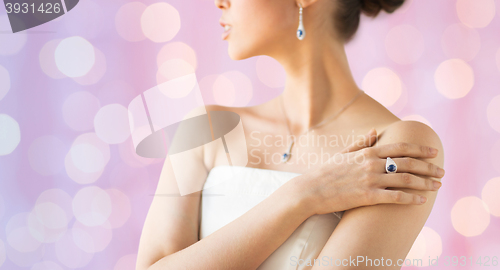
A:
251,168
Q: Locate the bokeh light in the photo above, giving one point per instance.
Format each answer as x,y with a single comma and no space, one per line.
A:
224,91
160,22
428,244
493,113
92,206
402,101
242,85
404,44
87,158
47,59
111,124
79,110
10,134
10,43
4,82
51,215
70,254
74,56
172,69
231,88
175,50
470,216
126,262
454,78
382,84
128,21
18,234
38,222
476,13
490,195
270,72
59,197
416,117
21,240
78,175
461,41
92,239
46,155
96,72
22,248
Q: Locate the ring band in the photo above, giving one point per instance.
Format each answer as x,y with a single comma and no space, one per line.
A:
390,166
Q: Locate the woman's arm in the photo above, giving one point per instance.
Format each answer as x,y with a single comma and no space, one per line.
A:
385,230
170,235
169,238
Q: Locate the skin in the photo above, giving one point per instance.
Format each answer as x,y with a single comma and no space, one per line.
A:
383,214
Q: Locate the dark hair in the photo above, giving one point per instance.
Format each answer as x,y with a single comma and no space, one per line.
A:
348,13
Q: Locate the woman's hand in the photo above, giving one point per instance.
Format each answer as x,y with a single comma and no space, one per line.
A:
356,176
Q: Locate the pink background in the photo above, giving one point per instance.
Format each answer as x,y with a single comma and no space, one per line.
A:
73,194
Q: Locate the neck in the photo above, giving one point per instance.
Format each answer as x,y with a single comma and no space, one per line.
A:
319,83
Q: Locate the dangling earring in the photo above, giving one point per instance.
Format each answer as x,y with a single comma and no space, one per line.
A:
301,32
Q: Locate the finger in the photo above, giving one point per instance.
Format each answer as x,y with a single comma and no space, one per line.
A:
403,149
408,180
416,166
399,197
368,140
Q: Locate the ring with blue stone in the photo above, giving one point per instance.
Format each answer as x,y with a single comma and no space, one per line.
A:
390,166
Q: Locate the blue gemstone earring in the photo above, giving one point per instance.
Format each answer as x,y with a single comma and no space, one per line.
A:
301,32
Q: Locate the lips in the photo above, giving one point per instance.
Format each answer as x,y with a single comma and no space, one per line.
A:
227,29
226,33
223,23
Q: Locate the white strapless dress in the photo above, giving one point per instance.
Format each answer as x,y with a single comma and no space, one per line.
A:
230,191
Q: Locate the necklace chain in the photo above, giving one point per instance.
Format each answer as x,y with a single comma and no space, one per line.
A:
286,156
322,122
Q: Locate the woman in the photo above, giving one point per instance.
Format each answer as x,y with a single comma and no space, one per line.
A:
378,214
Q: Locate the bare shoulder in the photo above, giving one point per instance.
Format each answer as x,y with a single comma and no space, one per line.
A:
413,132
388,230
391,129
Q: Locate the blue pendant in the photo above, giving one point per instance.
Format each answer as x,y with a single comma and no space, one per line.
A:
286,156
301,32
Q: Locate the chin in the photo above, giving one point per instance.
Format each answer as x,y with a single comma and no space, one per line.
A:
240,53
